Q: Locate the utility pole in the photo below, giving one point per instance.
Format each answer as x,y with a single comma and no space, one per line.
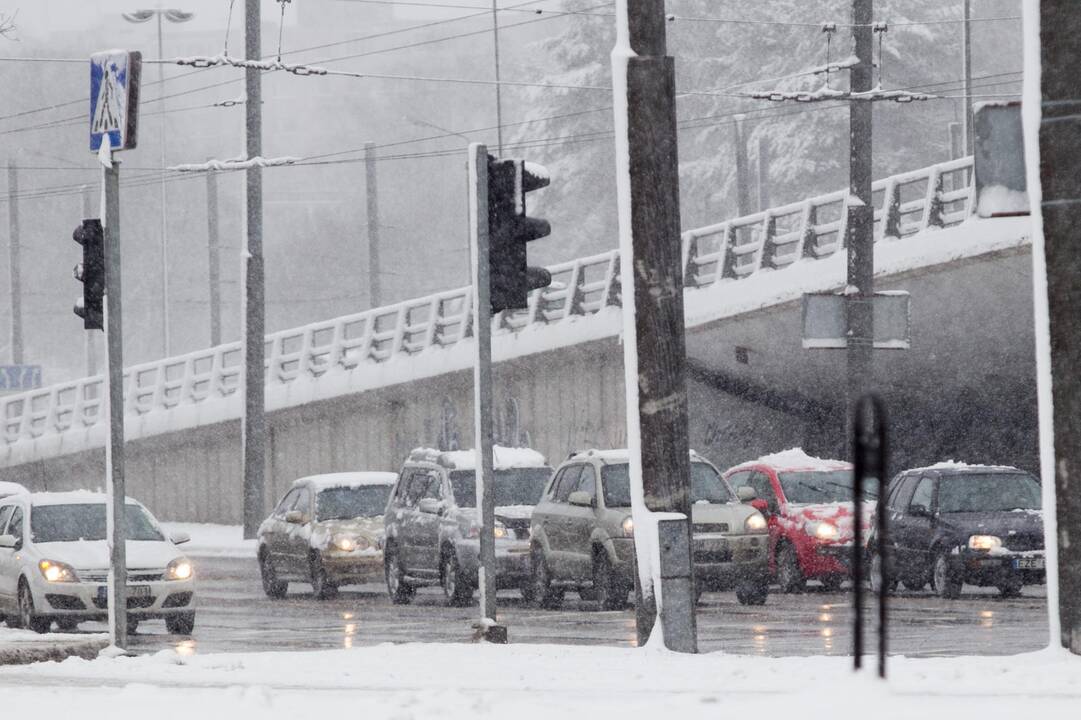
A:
1060,180
375,295
967,68
91,348
654,348
213,257
14,266
743,181
254,432
763,173
498,86
859,295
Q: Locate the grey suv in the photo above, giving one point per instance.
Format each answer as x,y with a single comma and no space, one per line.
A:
583,534
433,525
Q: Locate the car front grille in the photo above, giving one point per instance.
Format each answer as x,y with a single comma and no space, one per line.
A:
711,527
176,600
64,602
133,603
102,576
1022,542
712,556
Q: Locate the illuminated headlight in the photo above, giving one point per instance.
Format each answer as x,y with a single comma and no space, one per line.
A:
825,531
57,572
628,526
179,569
984,542
755,523
349,543
502,533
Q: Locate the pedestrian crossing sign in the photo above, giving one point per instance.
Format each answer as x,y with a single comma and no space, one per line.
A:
114,99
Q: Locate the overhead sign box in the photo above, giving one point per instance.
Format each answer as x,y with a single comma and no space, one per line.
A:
114,99
825,323
999,160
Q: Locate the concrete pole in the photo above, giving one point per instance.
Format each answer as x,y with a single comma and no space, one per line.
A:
763,173
743,180
254,435
213,257
164,215
654,345
967,68
375,294
1060,179
498,87
14,266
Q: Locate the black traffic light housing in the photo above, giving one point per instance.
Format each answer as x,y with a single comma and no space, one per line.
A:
91,273
509,229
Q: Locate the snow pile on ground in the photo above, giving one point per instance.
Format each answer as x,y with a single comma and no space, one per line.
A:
208,540
12,636
538,682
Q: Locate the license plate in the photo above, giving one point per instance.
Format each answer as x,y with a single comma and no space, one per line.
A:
134,591
1028,564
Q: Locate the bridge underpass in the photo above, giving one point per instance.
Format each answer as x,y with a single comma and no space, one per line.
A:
359,392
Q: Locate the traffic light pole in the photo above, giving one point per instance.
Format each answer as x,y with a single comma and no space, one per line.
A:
114,449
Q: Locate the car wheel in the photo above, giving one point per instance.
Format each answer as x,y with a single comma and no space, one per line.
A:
752,593
272,586
947,583
401,593
322,587
876,576
609,592
27,618
1011,587
789,575
548,597
831,583
67,624
180,624
455,587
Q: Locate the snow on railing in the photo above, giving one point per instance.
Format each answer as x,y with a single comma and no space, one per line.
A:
905,205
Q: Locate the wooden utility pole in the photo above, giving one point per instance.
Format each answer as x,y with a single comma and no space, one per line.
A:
652,279
1060,179
375,295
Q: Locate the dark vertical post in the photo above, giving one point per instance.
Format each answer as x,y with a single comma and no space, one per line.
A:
870,461
655,351
254,306
763,172
1060,178
860,229
118,587
743,180
498,85
14,266
213,257
91,338
375,295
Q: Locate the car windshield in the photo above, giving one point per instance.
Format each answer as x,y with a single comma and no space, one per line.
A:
988,492
86,521
706,485
346,503
513,486
806,487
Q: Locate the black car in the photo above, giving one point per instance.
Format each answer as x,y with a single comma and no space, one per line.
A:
951,524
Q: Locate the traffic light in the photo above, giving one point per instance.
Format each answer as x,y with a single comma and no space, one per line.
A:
509,229
91,273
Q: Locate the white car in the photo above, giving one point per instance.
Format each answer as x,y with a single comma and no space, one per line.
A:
54,564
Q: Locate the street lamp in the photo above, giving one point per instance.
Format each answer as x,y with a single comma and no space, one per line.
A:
174,16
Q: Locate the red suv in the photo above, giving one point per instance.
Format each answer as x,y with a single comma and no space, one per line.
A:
808,503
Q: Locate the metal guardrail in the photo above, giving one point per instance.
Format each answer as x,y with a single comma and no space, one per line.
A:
906,204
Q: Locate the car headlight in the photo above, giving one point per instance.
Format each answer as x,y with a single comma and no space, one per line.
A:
57,572
984,542
345,543
179,569
825,531
502,532
755,523
628,526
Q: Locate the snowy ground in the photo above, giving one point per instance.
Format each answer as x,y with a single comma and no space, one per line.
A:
209,540
538,681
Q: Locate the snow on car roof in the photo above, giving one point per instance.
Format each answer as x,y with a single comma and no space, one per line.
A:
71,497
617,455
347,479
503,458
797,459
954,465
10,488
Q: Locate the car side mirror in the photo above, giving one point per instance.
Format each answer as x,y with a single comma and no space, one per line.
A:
180,537
581,498
919,511
761,506
7,541
294,517
431,506
746,493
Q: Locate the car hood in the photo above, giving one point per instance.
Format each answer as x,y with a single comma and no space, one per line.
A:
1000,523
94,554
838,513
732,514
514,512
323,531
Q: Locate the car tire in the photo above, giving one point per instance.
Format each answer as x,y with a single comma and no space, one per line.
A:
752,593
456,589
27,618
180,624
831,583
947,583
876,577
789,575
322,587
67,624
608,591
272,586
401,592
546,596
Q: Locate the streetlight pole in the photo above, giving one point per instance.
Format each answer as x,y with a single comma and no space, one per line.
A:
173,16
498,87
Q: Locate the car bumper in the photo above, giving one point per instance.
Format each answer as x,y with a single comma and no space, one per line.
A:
722,561
981,568
828,559
512,562
89,600
353,567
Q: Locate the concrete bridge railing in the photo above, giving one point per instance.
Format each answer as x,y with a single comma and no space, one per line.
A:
906,204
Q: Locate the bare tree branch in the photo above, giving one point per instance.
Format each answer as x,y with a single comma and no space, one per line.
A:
7,26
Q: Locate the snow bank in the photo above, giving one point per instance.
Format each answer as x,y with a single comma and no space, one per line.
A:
208,540
1001,200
